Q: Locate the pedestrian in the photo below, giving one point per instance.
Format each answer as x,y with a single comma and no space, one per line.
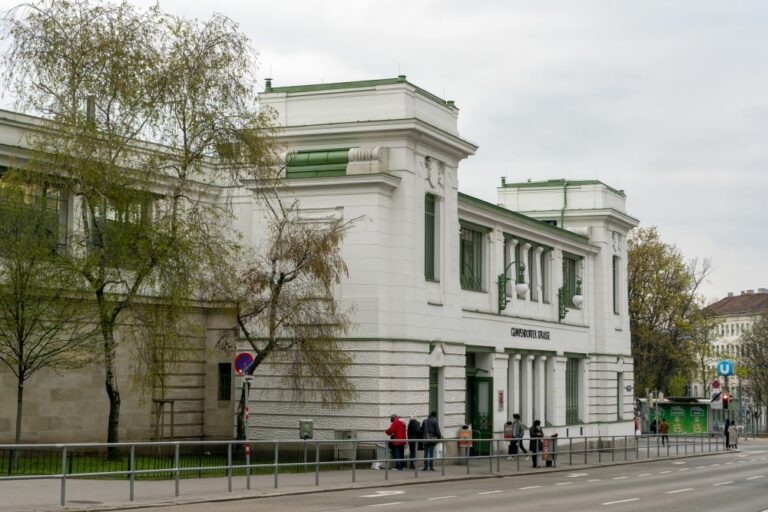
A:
414,436
727,434
653,427
664,431
535,445
397,440
518,431
733,434
430,433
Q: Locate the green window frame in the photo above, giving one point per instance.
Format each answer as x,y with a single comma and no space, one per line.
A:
434,375
430,213
471,258
572,391
225,382
616,267
569,277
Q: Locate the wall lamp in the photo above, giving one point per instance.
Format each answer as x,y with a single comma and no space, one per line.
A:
565,303
501,282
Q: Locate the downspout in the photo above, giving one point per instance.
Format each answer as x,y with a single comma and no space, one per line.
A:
565,204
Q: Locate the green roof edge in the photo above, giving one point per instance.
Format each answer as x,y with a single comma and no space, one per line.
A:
359,84
519,216
559,183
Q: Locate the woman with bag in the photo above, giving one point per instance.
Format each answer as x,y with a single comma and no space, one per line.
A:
535,444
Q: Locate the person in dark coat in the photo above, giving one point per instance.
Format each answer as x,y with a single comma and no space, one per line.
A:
430,432
535,445
397,435
414,438
727,433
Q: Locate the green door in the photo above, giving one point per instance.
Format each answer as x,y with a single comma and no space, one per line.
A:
482,413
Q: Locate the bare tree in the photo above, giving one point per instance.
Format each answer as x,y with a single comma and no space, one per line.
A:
285,305
754,361
41,314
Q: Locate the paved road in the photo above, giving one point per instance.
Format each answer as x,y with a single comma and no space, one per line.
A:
732,482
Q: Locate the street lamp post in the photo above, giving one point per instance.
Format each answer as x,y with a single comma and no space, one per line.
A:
521,288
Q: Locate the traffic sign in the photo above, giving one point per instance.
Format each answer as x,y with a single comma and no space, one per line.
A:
243,361
717,401
715,384
725,368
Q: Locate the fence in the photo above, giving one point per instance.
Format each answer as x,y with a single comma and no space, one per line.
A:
280,459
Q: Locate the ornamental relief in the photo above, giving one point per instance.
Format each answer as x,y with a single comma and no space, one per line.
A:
436,173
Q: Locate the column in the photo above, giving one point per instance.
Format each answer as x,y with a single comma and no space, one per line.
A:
510,257
527,390
584,412
513,385
540,383
524,256
538,291
500,375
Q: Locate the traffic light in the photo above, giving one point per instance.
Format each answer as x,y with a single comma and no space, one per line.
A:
726,398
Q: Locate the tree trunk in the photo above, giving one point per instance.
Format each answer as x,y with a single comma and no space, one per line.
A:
19,406
112,391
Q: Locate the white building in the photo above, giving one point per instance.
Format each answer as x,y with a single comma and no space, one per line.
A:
436,278
433,329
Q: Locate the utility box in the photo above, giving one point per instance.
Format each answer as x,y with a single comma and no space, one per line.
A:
344,449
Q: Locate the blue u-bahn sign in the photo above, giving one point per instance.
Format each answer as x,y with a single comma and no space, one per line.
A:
725,368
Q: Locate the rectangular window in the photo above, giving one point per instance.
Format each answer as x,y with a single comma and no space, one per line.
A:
433,390
619,395
471,258
544,277
569,278
43,208
429,237
225,381
572,391
616,294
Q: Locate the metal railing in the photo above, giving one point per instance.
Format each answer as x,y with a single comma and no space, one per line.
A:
271,460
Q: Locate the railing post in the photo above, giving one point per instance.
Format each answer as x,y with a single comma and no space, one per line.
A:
63,499
132,469
317,462
247,467
386,461
490,457
354,460
570,451
626,440
613,448
586,444
176,461
442,462
277,460
229,466
498,457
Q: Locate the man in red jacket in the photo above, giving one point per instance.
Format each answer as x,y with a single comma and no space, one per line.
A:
396,432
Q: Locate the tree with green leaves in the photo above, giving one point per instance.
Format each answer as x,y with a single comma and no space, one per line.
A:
285,305
42,316
665,308
144,117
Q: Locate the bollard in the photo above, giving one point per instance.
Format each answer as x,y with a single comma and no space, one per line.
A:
178,470
132,468
354,460
229,467
63,476
277,462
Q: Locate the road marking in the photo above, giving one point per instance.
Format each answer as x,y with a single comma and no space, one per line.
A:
595,480
700,467
619,477
723,483
678,463
565,483
386,504
383,494
756,477
576,475
620,501
644,474
728,463
441,498
680,490
489,492
530,487
713,465
664,472
684,469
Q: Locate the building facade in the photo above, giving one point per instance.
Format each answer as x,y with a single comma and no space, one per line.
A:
475,310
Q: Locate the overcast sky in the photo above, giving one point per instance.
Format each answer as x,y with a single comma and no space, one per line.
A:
667,100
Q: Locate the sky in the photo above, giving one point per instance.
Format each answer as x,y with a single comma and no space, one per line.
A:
666,100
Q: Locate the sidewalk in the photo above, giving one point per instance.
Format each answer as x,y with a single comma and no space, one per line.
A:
93,495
